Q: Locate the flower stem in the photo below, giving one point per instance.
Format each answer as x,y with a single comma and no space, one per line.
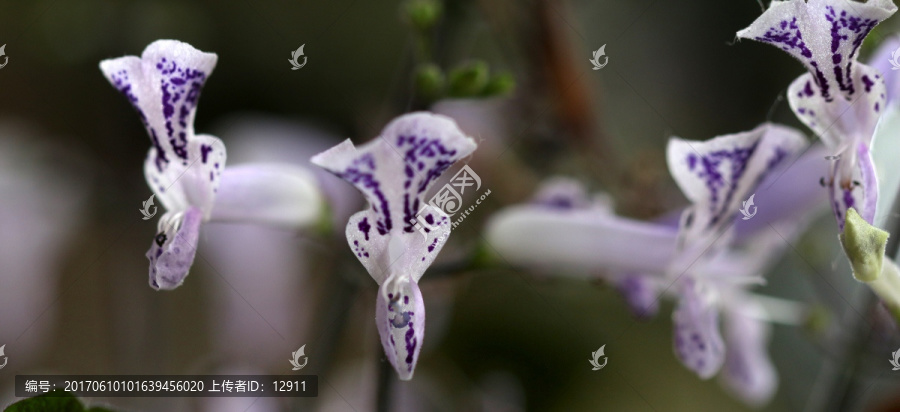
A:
385,382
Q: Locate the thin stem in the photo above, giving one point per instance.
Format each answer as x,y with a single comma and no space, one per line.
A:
385,382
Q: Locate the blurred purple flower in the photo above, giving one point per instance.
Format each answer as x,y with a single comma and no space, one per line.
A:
748,372
708,275
840,99
393,172
187,172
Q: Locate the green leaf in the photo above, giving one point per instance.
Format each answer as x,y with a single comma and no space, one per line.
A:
54,401
57,400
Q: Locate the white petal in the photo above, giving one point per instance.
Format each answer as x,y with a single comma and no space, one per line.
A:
579,241
164,86
394,172
838,121
180,186
824,35
274,194
718,175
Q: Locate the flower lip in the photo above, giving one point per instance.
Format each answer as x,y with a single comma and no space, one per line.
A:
164,86
825,35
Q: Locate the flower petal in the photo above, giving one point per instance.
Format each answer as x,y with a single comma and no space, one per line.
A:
394,172
641,293
885,152
859,192
748,371
789,192
274,194
172,254
719,174
180,186
824,35
698,343
886,59
840,122
580,241
400,315
164,86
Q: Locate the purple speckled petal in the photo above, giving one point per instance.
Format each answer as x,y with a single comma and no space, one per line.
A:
394,172
860,191
641,293
400,315
825,35
719,174
172,254
698,343
196,184
840,122
748,372
164,86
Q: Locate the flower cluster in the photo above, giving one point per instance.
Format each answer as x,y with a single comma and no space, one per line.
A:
705,257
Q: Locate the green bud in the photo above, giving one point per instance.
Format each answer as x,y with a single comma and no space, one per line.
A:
864,245
429,81
422,14
500,84
469,80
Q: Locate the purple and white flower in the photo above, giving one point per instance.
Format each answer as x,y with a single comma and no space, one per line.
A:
394,172
186,171
840,99
697,258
